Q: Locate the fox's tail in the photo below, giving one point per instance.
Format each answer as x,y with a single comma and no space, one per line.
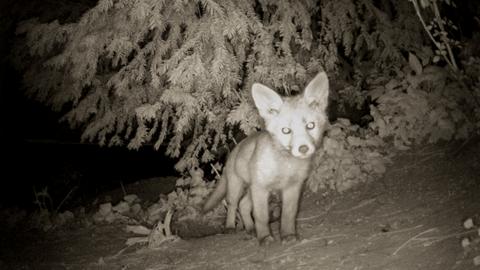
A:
218,194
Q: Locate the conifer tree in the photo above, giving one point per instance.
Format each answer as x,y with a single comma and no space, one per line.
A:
178,73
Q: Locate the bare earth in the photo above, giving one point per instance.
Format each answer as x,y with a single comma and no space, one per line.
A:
410,219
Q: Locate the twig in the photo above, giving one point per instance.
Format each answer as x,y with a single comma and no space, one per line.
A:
438,239
404,230
279,256
443,37
362,204
327,211
451,64
307,241
216,171
464,144
416,163
394,232
123,189
116,255
392,213
411,239
245,258
430,157
65,198
166,223
303,242
311,217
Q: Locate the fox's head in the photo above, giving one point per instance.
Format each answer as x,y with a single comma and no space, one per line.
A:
296,123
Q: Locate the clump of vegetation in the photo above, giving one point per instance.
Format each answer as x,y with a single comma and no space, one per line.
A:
350,155
471,244
422,107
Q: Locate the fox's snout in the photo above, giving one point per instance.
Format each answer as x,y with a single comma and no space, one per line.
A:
303,151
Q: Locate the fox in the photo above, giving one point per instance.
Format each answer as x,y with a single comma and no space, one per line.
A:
275,159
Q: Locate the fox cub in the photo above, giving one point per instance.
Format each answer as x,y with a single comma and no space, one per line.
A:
277,159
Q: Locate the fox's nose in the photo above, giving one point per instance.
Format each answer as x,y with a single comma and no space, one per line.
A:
303,149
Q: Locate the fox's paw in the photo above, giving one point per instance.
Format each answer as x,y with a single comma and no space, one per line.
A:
229,230
287,239
250,232
249,235
266,241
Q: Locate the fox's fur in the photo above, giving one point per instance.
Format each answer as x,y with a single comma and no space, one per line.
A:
277,159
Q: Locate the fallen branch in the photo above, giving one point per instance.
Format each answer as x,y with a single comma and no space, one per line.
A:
360,205
307,241
394,232
65,198
412,239
433,240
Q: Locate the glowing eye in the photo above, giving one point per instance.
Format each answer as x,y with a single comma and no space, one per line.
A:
286,130
310,125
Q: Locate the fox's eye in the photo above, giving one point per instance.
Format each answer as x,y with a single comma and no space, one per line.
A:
286,130
310,125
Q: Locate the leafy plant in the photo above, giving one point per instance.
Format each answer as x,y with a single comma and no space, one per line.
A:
422,107
437,30
350,155
471,81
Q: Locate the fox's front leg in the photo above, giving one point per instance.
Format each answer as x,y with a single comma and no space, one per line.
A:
290,198
260,213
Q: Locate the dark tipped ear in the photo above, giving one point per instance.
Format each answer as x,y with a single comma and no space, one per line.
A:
316,92
268,102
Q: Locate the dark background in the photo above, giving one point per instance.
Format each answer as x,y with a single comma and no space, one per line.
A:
39,151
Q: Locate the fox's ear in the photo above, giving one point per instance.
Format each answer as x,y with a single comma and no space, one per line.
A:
268,102
316,92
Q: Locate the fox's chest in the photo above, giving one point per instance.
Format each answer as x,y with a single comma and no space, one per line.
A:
277,174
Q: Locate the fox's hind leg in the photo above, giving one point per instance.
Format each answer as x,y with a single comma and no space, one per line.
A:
246,212
235,190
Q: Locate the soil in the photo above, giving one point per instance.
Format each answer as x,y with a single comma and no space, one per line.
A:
411,218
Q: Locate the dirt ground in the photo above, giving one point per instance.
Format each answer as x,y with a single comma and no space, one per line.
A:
409,219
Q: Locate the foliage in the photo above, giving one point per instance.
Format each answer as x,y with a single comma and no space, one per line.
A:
471,81
178,73
43,200
421,107
351,155
437,30
189,195
367,33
